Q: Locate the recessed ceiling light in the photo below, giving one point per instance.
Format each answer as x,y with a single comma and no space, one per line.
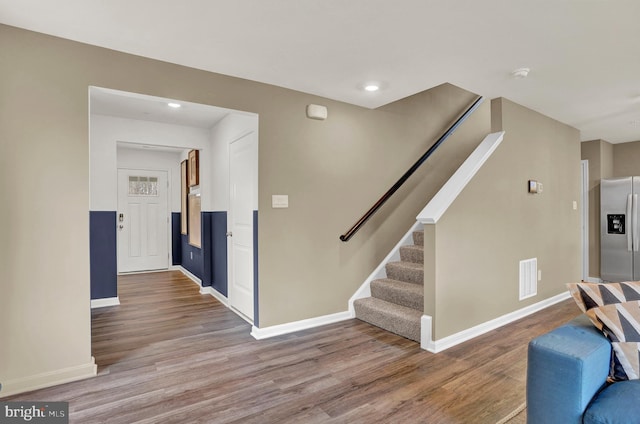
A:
174,105
520,73
372,87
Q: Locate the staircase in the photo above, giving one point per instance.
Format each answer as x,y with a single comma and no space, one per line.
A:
397,302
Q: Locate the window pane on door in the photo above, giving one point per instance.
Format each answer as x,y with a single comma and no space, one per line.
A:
143,186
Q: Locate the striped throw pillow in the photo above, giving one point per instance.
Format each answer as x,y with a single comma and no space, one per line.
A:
614,308
621,324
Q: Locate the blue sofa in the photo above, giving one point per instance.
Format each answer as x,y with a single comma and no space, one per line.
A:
566,379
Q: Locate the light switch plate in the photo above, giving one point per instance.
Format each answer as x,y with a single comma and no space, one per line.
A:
279,201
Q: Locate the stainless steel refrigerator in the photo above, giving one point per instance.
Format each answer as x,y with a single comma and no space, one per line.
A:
619,232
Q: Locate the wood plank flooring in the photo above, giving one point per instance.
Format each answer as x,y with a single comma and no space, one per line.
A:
170,355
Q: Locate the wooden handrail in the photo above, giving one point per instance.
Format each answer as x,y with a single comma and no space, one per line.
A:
354,229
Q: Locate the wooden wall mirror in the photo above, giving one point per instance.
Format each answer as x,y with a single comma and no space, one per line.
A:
184,191
194,220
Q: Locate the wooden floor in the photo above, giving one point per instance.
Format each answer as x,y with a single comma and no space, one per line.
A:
170,355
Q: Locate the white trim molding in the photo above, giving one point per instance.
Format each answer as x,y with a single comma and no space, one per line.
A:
104,302
427,343
584,200
305,324
190,276
48,379
438,205
426,334
593,280
205,290
215,293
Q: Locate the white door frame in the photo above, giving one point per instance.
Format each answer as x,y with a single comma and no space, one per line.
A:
584,194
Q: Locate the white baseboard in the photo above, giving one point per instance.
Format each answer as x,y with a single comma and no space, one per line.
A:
593,280
104,302
426,338
48,379
468,334
215,293
305,324
190,276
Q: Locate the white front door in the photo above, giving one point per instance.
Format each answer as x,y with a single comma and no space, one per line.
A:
243,173
142,220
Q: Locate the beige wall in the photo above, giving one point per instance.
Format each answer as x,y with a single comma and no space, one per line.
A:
332,171
599,153
626,159
495,223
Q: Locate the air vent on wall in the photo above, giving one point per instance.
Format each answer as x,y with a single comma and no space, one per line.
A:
528,278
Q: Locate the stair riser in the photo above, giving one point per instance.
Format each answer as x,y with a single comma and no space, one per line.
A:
418,238
409,254
406,327
409,275
410,300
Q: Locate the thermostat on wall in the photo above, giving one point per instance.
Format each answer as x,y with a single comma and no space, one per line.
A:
533,186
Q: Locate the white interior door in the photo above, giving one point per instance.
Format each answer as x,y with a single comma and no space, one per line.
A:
243,171
142,220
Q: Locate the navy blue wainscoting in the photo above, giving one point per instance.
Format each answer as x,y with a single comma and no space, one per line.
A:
218,258
208,263
102,254
176,244
256,321
191,257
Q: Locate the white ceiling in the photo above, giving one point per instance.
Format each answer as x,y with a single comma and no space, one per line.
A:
583,54
149,108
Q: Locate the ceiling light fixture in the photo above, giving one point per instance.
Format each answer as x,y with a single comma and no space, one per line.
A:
174,105
372,87
520,73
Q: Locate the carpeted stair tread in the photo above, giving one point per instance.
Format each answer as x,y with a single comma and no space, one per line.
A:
418,238
399,292
412,253
388,316
409,272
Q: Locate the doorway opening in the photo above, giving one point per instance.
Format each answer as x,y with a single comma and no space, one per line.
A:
138,145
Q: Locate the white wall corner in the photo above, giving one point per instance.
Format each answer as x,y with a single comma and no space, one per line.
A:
438,205
48,379
104,302
426,334
380,272
305,324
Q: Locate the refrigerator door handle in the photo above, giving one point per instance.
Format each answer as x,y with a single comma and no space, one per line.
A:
635,223
629,211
